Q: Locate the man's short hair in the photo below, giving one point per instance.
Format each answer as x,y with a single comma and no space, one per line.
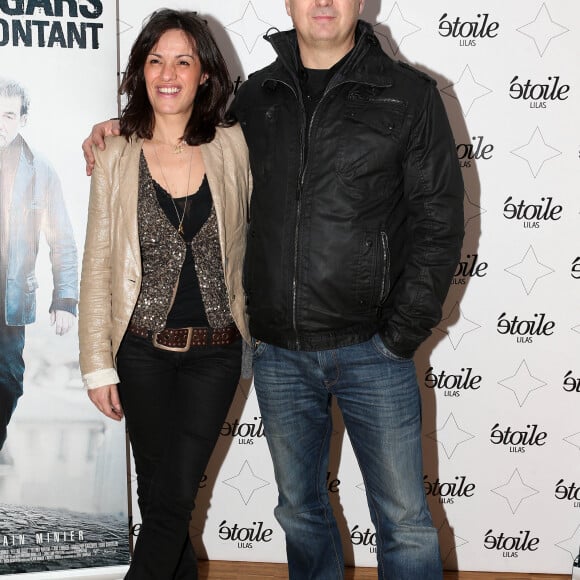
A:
11,88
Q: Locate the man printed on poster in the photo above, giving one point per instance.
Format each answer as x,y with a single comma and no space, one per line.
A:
31,202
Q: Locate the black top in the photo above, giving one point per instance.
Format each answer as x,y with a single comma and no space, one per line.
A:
313,83
188,308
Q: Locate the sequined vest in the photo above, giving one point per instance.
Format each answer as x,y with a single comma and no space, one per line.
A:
162,256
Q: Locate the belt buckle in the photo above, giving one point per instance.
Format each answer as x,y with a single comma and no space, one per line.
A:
174,348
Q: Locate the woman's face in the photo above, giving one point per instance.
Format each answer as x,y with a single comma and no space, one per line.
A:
173,74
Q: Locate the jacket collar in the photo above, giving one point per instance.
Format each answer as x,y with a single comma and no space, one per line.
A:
21,149
213,160
362,66
129,186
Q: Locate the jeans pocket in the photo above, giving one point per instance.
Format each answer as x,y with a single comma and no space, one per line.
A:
258,347
387,353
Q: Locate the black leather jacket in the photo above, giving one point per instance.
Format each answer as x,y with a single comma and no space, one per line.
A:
362,233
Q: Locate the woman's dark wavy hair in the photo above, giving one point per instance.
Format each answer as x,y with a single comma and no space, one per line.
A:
212,97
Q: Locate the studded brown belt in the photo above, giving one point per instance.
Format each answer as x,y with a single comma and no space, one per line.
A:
181,339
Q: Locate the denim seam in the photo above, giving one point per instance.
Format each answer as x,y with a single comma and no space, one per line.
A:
331,383
329,523
372,506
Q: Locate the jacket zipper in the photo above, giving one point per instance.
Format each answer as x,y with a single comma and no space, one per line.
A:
298,213
303,168
299,189
385,246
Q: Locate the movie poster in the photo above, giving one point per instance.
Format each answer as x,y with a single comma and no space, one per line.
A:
63,491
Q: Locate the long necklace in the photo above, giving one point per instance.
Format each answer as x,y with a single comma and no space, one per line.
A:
181,217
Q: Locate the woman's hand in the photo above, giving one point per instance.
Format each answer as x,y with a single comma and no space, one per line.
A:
107,401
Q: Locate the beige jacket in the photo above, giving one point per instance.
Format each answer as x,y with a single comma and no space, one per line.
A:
111,272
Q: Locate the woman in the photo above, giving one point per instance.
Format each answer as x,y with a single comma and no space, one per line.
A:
161,307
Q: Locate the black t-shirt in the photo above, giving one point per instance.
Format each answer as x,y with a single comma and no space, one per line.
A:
188,308
313,83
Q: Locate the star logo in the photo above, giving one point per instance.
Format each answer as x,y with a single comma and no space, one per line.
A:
536,152
522,383
576,329
470,209
250,27
466,90
399,27
573,440
246,482
571,544
515,491
448,541
542,30
124,26
455,331
450,436
529,270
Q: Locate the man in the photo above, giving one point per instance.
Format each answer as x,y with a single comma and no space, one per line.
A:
356,229
30,201
355,232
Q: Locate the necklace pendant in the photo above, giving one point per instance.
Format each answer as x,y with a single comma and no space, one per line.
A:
178,148
180,230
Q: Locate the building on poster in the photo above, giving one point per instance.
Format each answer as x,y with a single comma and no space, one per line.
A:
63,500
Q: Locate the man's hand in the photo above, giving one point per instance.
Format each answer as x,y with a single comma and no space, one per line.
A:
97,138
107,401
62,321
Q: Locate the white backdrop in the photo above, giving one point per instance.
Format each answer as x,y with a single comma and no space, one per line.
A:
500,375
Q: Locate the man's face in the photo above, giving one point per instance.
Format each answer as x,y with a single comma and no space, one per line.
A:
11,121
324,23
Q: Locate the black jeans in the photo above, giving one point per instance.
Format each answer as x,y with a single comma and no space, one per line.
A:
175,405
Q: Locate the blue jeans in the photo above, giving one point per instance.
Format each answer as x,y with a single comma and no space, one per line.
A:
11,373
378,395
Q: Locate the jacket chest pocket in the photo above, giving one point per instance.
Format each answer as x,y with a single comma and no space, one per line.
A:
261,129
369,147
